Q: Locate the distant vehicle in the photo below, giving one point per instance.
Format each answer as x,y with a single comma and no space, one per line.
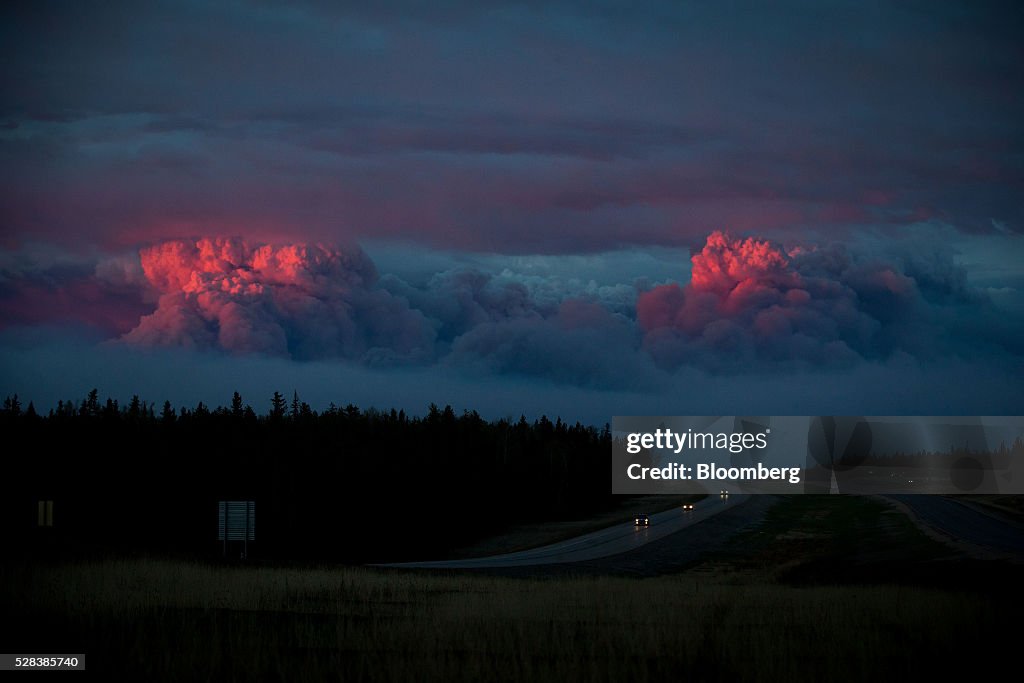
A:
641,520
724,493
687,507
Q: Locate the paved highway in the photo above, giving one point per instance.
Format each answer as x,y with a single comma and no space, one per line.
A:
614,540
964,523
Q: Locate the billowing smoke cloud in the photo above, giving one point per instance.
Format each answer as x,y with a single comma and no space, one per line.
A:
296,300
567,331
750,304
581,343
312,302
462,299
750,300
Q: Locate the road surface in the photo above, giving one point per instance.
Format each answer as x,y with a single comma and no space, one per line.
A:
965,524
614,540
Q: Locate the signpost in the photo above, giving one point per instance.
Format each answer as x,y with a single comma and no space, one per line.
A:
236,521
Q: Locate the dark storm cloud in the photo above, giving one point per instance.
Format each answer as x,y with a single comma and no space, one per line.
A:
40,287
520,127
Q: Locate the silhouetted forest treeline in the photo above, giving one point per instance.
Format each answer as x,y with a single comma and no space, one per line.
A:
344,483
998,457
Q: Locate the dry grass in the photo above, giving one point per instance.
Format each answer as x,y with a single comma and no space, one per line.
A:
1011,506
157,620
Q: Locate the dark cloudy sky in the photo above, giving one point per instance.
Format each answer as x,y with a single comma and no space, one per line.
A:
577,208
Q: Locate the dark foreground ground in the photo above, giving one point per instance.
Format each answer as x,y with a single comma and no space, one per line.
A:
820,588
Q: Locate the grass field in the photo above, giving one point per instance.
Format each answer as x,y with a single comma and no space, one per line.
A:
825,588
832,539
160,620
